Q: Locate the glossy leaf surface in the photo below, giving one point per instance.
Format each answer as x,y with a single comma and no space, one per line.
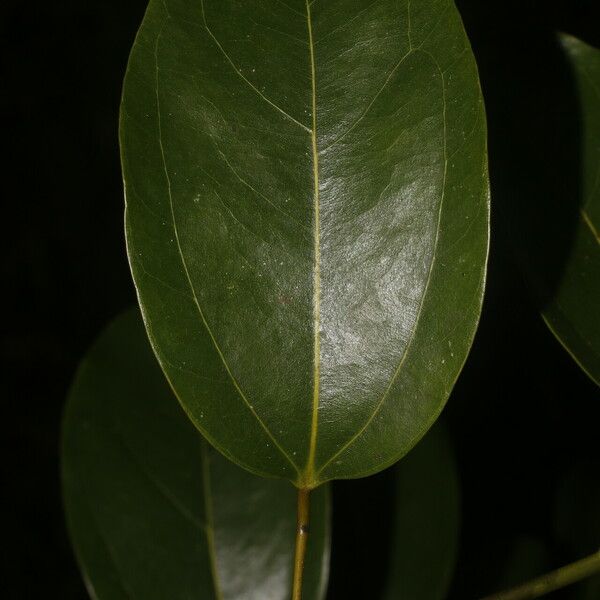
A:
573,314
426,522
153,511
307,221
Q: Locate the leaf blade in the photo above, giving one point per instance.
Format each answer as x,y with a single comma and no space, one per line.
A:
317,262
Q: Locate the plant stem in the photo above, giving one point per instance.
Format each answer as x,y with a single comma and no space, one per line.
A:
552,581
301,539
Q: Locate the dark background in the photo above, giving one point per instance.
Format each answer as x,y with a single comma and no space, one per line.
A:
523,417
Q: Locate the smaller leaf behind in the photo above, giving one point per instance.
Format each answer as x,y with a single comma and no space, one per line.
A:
426,522
152,511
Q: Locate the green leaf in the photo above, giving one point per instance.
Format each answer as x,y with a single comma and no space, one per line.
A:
426,522
307,221
572,313
152,510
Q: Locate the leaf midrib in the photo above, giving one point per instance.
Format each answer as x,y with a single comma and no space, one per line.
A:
309,472
305,479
